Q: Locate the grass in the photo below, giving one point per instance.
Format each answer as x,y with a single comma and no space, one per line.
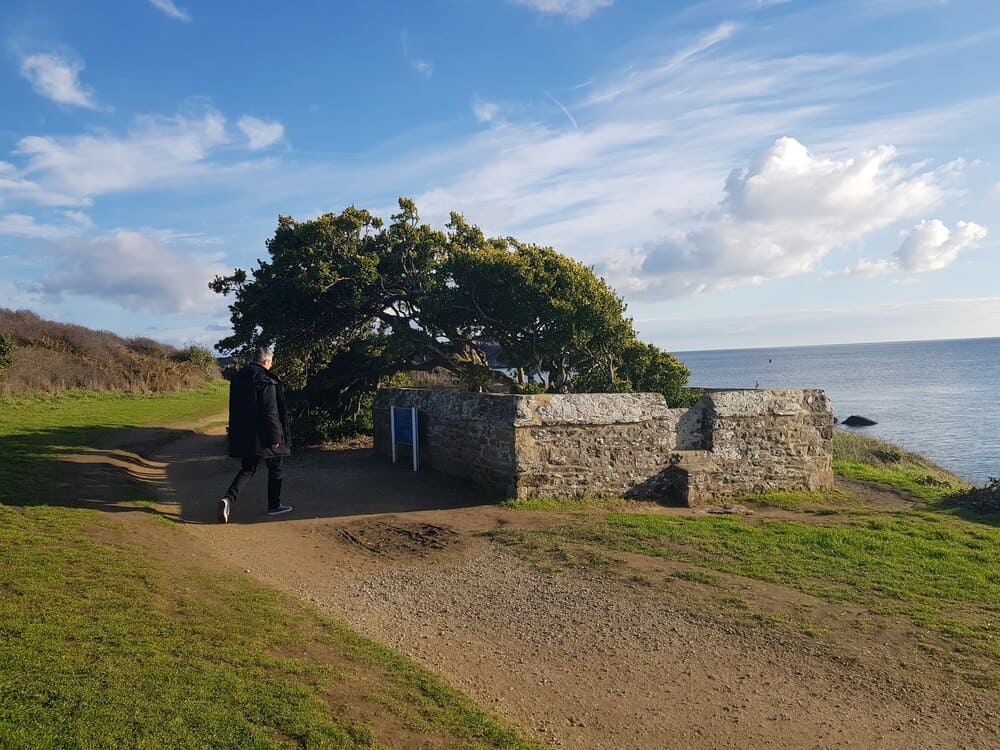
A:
104,645
570,504
942,572
36,429
939,568
871,460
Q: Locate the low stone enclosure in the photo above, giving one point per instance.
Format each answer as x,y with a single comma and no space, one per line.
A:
621,444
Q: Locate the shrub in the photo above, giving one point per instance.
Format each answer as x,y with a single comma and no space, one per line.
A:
52,357
984,499
198,357
7,347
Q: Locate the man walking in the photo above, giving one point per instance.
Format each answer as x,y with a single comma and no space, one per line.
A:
258,428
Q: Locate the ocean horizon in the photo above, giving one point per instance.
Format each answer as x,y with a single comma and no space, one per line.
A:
938,398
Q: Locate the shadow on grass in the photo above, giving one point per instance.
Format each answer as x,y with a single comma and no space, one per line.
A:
977,504
180,475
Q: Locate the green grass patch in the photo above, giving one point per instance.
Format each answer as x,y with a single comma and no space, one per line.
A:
36,430
871,460
103,646
570,504
823,502
941,571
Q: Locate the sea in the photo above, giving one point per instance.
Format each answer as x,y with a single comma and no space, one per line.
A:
937,398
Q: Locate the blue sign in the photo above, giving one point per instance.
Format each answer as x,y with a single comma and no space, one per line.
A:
403,426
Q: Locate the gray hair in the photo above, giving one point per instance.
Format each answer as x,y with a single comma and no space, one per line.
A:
263,353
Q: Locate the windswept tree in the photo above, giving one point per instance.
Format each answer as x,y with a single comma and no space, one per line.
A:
350,302
551,316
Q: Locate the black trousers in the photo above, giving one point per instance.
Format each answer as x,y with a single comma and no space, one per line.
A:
246,472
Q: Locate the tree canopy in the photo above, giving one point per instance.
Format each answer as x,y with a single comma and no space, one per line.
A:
349,301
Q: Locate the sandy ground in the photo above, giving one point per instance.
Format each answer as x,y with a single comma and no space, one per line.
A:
629,655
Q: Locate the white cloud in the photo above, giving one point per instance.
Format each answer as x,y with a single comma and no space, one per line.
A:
23,225
159,150
663,71
485,111
80,218
932,246
14,186
260,134
171,10
135,271
574,10
782,214
871,269
56,78
423,67
929,246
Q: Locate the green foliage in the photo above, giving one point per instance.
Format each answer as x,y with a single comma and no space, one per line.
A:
7,346
550,314
200,358
349,301
642,368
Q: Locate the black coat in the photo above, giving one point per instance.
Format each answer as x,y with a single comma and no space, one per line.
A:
257,415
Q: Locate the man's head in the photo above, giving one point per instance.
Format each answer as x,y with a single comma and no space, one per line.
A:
264,357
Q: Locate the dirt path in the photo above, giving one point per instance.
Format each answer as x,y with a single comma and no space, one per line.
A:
629,657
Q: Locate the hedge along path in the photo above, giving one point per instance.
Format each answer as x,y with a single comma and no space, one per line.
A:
114,634
584,646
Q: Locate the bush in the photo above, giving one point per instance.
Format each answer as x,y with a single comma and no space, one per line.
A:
52,357
644,368
200,358
984,499
7,347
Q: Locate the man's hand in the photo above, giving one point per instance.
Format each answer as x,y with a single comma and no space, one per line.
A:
275,446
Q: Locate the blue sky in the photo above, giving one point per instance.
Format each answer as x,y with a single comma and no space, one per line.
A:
745,172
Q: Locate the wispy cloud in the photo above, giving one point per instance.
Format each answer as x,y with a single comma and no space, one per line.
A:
565,111
14,186
663,70
260,133
158,150
574,10
423,67
639,186
57,78
485,111
23,225
135,271
168,8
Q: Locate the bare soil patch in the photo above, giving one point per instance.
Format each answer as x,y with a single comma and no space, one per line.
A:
399,540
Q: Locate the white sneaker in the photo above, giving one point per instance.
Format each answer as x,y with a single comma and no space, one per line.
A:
279,510
224,506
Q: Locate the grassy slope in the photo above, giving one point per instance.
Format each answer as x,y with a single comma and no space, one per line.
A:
859,457
102,646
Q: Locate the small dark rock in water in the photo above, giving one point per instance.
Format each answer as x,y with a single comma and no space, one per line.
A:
855,421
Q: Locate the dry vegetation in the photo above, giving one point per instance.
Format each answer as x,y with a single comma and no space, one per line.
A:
50,357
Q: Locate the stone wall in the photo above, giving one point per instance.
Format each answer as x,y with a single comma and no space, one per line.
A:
626,444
